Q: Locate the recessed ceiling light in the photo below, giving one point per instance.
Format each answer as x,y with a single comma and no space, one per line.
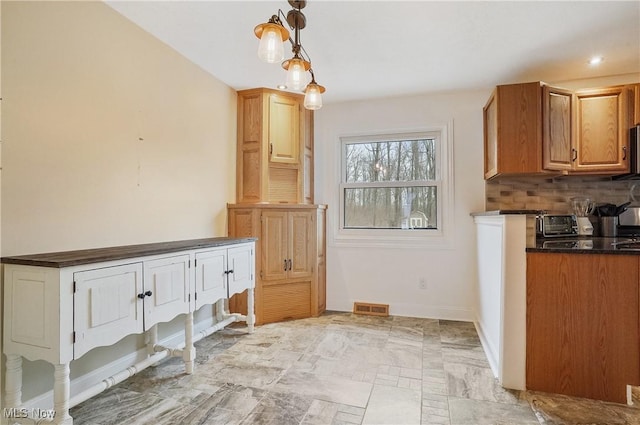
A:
281,86
596,60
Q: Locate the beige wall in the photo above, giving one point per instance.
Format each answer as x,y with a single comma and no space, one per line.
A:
110,137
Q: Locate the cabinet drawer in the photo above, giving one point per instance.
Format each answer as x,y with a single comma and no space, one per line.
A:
286,301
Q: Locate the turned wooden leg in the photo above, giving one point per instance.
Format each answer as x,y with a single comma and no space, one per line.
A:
251,318
189,352
13,381
151,338
61,389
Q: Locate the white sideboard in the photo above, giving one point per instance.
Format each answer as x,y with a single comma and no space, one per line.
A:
59,306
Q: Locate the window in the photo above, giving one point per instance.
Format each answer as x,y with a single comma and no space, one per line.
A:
394,185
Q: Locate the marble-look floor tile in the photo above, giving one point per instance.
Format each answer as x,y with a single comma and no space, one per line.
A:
458,333
231,404
477,412
328,388
468,381
119,406
279,409
338,369
556,409
390,405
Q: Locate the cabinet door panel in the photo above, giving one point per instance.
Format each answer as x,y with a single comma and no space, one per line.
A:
211,280
556,136
242,263
582,324
602,129
301,241
274,245
284,129
106,306
168,281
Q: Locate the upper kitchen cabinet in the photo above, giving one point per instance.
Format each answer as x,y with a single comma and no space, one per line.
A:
601,129
512,130
275,148
536,129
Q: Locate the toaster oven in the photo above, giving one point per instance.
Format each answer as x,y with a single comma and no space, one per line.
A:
554,225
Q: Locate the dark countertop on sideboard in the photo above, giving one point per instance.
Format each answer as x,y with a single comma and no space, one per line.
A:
98,255
587,245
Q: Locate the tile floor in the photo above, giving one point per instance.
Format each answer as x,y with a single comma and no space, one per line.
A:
338,369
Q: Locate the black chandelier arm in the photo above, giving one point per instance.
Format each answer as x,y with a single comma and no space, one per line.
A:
297,48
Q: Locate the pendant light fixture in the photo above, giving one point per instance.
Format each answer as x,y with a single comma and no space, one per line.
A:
273,34
313,94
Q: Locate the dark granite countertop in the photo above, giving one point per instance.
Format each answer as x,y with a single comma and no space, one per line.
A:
587,245
98,255
507,212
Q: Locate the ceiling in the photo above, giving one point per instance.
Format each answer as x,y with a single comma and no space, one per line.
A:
372,49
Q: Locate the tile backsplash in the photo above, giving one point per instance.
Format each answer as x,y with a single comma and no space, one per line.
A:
554,194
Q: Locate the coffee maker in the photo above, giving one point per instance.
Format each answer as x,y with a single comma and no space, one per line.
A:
582,207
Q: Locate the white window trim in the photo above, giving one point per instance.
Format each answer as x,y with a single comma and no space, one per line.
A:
440,238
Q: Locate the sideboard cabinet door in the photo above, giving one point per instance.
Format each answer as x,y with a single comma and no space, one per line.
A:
106,306
166,288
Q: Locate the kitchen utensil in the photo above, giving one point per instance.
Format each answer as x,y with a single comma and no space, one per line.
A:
622,208
582,207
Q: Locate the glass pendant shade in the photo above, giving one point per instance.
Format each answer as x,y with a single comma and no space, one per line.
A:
271,47
313,96
296,73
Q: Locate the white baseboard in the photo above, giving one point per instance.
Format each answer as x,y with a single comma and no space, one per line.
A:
88,380
489,349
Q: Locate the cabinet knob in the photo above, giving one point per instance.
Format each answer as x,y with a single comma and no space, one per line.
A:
148,293
141,296
624,153
574,155
285,264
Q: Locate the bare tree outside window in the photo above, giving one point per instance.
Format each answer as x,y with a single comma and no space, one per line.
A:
391,184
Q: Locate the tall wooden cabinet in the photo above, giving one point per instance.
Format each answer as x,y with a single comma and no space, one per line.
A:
275,148
275,203
290,256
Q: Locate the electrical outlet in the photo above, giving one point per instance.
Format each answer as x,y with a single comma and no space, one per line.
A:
422,283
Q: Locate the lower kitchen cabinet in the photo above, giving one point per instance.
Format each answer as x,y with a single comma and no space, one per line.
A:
290,259
583,324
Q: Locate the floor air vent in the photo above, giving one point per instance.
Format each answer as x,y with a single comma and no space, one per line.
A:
371,309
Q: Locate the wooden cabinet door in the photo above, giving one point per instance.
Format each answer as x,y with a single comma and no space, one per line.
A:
211,279
167,280
583,324
557,147
106,306
490,113
274,245
240,266
284,129
601,130
301,241
513,130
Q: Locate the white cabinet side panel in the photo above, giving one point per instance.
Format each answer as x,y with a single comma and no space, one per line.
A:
32,305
